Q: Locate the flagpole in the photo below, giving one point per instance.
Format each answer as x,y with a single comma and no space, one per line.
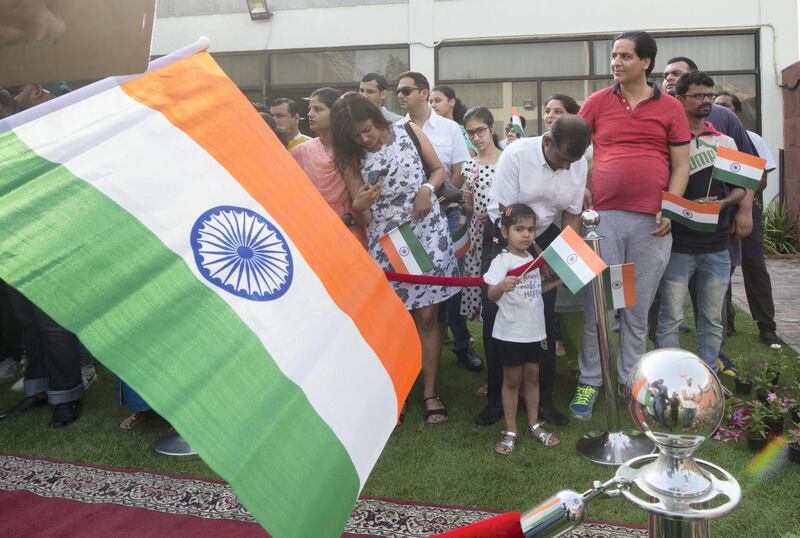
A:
612,446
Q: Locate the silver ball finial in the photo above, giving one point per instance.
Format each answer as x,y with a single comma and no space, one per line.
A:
590,219
677,399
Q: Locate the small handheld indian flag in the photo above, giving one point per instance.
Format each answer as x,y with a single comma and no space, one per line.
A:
516,122
571,258
698,217
620,285
737,168
461,239
405,252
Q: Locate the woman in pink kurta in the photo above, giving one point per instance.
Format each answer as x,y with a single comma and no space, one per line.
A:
315,157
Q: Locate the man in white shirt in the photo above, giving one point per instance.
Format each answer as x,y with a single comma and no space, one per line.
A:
547,173
445,135
757,283
373,87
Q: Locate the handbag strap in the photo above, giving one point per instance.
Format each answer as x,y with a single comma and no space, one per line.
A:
417,145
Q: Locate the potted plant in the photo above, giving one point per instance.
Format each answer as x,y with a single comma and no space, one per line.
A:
754,428
765,379
744,381
774,410
793,443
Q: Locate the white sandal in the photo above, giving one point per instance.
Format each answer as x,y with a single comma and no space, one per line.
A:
546,438
505,446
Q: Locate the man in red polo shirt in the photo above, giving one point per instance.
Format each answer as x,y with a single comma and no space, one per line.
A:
641,139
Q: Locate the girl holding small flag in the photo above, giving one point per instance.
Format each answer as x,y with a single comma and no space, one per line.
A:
519,327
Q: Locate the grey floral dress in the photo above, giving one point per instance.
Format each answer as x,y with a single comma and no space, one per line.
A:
401,167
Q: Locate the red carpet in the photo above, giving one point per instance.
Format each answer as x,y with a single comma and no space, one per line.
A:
46,499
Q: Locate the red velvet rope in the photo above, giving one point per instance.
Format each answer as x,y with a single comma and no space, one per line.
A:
458,281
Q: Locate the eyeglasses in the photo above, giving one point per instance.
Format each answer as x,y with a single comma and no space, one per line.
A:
406,90
479,132
701,96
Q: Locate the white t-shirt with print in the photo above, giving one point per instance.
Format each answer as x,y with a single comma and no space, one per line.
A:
521,311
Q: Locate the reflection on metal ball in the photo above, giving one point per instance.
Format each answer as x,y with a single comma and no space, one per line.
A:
676,399
590,218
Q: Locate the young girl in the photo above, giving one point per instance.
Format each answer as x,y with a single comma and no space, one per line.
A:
519,325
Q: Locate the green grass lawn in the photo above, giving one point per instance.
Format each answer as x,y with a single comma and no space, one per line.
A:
452,463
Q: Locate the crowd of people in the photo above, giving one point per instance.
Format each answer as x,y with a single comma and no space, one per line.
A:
443,166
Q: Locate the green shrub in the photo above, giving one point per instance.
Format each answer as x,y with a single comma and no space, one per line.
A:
779,231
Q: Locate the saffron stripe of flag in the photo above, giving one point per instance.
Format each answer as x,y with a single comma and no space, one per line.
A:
405,252
461,238
571,258
516,122
152,216
620,285
693,215
738,168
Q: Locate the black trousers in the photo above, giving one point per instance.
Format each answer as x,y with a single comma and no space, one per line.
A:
10,333
757,284
53,353
547,367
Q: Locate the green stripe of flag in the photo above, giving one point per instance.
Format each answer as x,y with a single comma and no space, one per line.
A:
691,224
420,255
564,271
735,179
214,379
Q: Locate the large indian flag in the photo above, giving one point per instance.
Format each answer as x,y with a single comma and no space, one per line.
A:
161,220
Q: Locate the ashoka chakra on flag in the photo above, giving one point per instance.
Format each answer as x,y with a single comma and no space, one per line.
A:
242,252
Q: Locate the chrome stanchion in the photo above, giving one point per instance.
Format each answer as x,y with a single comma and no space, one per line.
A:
612,446
678,402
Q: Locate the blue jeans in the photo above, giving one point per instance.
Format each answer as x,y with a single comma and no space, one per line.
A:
713,274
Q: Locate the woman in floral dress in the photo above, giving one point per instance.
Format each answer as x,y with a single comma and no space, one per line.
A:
386,179
478,173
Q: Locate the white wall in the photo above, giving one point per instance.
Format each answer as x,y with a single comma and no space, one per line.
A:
425,23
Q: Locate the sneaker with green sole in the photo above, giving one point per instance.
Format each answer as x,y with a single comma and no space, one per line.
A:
583,402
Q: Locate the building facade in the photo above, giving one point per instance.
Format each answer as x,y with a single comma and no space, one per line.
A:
495,53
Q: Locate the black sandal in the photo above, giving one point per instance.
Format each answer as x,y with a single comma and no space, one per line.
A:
435,412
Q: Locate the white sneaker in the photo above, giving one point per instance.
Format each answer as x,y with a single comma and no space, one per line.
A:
9,368
18,386
89,376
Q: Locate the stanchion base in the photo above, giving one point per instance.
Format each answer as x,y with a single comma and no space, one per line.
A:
172,444
614,448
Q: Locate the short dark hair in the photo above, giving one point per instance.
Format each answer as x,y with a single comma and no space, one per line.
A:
260,107
419,79
572,131
292,105
570,105
328,96
684,59
644,45
737,103
692,77
380,79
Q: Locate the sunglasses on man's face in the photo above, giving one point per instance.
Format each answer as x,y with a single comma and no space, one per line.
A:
406,90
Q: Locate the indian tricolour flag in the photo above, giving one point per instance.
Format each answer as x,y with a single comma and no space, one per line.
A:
516,122
159,218
693,215
461,239
620,285
405,252
738,168
571,258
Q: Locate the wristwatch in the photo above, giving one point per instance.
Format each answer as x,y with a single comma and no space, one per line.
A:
348,219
